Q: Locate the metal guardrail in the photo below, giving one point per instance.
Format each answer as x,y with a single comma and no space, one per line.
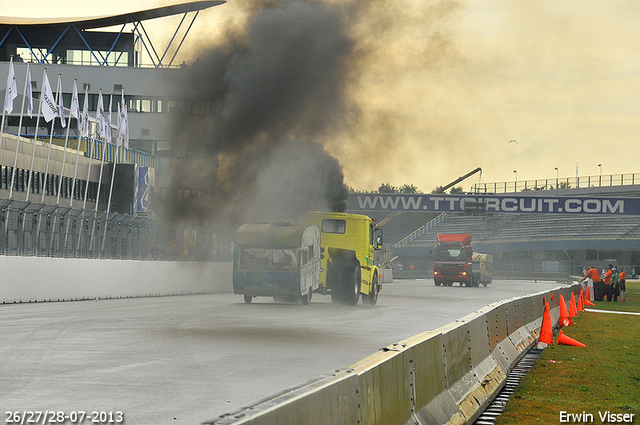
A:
421,231
557,183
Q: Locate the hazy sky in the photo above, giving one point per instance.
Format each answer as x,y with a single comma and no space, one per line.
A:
445,85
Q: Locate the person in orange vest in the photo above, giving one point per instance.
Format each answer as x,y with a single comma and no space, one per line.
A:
596,290
622,283
412,267
607,282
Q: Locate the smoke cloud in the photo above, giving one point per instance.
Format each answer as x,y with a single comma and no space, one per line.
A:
258,107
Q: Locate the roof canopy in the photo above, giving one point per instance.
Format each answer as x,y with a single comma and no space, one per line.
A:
112,20
49,39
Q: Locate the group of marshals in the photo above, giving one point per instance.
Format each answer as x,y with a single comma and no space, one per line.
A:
610,285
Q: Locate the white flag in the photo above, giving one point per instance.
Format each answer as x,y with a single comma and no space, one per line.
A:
48,102
108,124
100,116
12,89
121,122
118,138
63,121
29,94
74,109
126,128
85,114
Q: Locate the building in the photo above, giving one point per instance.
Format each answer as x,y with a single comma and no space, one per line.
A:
49,175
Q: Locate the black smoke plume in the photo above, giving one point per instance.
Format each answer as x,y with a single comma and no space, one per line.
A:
256,108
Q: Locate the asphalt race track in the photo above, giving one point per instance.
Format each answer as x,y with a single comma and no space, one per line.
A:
187,359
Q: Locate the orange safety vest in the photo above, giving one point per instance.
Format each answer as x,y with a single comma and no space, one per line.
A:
593,275
607,277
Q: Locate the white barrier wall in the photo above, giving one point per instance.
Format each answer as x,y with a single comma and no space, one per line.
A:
29,279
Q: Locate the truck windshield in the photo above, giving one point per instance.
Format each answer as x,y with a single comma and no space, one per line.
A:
444,254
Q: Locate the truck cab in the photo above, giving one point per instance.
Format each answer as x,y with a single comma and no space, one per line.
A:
452,260
348,244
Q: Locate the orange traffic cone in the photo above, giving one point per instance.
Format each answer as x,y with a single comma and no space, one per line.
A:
573,311
546,331
565,340
564,319
580,302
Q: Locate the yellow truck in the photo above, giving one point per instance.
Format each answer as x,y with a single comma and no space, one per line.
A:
348,244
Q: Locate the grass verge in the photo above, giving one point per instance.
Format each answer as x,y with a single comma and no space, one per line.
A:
604,376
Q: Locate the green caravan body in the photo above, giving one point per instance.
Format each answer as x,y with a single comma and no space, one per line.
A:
276,259
348,243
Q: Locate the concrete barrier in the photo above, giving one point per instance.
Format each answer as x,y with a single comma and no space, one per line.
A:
30,279
445,376
387,275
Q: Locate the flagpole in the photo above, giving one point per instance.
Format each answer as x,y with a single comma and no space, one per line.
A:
64,161
105,135
15,158
35,138
46,169
99,129
64,154
74,111
75,169
53,121
86,188
113,176
104,146
85,126
80,135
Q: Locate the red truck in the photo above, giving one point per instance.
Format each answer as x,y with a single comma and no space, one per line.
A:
453,260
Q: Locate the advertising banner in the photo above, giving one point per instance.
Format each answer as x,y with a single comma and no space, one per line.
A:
146,180
517,204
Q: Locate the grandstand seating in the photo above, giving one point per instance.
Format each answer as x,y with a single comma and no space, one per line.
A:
505,228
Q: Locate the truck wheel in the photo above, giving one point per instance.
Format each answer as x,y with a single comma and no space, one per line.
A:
372,298
352,288
437,282
248,299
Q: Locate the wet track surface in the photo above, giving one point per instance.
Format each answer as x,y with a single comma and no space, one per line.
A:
187,359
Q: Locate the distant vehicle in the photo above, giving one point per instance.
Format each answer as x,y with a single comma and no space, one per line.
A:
452,260
482,269
277,259
348,242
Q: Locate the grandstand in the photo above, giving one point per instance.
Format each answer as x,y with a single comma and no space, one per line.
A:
534,243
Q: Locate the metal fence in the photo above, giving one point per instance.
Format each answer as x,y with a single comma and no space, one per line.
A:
32,229
38,229
557,183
